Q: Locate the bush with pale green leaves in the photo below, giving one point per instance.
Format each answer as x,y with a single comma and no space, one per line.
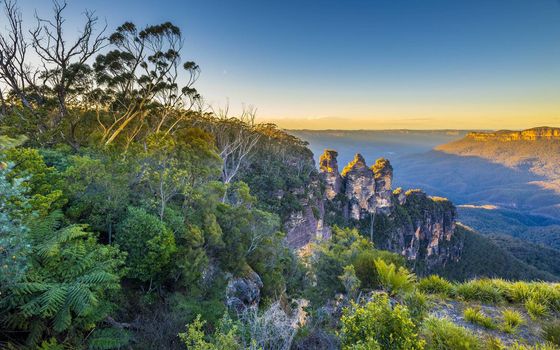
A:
379,325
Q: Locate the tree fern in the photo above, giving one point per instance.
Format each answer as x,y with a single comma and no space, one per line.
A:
64,289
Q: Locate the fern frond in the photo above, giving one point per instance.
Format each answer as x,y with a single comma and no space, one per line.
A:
108,338
28,288
62,320
97,277
52,300
79,298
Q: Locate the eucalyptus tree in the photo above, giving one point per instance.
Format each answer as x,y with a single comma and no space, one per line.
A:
141,76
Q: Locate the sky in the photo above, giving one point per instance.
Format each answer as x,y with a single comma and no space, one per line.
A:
349,64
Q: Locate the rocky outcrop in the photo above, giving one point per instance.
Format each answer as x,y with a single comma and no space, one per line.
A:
307,224
383,174
410,223
359,185
427,231
367,189
328,167
541,133
244,292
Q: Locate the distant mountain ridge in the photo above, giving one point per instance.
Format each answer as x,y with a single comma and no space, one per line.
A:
538,133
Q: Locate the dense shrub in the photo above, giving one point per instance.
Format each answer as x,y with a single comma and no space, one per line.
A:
378,325
417,304
148,242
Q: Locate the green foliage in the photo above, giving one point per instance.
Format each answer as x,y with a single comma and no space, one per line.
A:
435,284
364,264
511,320
442,334
349,280
329,259
542,257
108,338
482,290
543,346
13,231
280,166
394,281
226,336
65,288
482,257
417,304
476,316
98,190
174,165
519,292
149,244
551,332
378,325
41,182
535,308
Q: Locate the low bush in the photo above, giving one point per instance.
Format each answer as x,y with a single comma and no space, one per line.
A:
482,290
535,308
442,334
547,294
518,292
364,265
476,316
435,284
417,304
378,325
511,320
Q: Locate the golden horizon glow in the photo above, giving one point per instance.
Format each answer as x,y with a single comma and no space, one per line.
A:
515,117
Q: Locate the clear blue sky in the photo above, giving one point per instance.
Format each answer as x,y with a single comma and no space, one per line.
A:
367,64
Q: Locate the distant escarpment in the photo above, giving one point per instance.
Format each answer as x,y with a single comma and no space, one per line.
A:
530,155
540,133
410,223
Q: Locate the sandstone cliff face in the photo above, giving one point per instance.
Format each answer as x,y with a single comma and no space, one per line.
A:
542,133
328,167
359,185
419,227
427,231
383,172
307,224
